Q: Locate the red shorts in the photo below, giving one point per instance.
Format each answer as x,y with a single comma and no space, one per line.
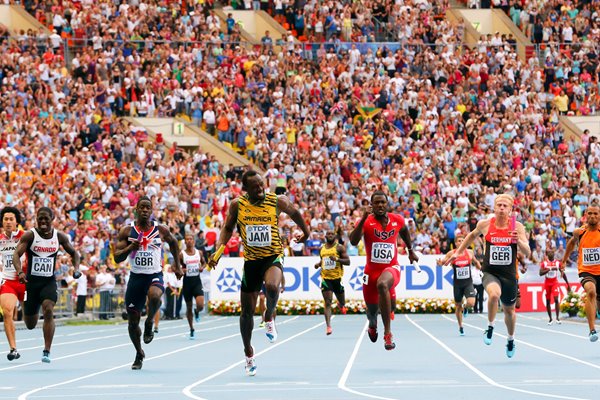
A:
551,289
14,287
370,278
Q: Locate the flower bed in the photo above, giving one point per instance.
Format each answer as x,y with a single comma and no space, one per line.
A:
573,304
316,307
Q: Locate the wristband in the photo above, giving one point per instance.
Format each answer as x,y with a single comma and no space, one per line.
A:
21,272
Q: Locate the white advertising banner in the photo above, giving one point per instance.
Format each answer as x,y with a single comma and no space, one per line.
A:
302,280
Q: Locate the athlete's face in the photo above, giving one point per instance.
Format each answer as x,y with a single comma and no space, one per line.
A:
189,242
379,204
459,241
44,221
144,210
593,215
9,222
255,188
502,208
550,255
330,237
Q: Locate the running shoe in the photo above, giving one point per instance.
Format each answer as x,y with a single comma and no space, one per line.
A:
465,312
461,330
148,334
344,310
46,357
250,366
392,316
487,335
192,336
137,363
510,348
271,331
558,322
329,331
13,355
550,322
156,329
388,341
262,324
196,315
593,335
372,334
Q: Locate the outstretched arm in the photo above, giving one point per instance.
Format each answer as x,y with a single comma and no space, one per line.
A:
65,242
22,247
285,205
479,230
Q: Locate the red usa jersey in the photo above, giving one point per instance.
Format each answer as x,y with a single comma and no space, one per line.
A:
380,242
7,248
553,266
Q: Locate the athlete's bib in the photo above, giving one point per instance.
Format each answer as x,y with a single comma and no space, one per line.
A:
591,256
463,272
258,235
193,270
500,255
552,274
328,263
42,266
382,253
8,264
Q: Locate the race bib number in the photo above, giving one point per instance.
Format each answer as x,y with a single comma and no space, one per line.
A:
193,270
500,255
8,263
383,253
258,235
42,266
591,256
328,263
552,274
463,272
143,262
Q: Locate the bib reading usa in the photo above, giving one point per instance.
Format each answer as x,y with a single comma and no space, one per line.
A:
383,253
591,256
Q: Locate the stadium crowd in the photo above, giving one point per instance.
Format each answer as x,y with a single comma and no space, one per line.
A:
440,127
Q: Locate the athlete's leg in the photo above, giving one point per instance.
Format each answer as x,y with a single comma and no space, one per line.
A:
133,326
248,305
341,298
548,309
154,295
590,303
372,310
557,308
493,290
262,307
272,278
459,313
384,284
49,326
199,303
8,302
470,302
510,319
327,297
189,314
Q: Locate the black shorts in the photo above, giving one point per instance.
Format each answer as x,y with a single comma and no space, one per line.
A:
254,272
509,287
137,289
333,285
463,289
36,291
585,277
192,288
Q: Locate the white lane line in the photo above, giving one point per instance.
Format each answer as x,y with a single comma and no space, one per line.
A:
568,357
25,395
552,331
344,378
479,373
113,347
187,391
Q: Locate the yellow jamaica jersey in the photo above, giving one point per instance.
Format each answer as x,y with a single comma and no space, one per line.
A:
258,227
330,269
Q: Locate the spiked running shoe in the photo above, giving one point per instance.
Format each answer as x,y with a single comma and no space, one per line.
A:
593,335
271,331
196,316
148,334
329,331
13,355
250,365
388,341
510,348
461,331
487,335
46,357
372,332
138,362
192,336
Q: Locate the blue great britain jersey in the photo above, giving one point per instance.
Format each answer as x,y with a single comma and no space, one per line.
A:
148,259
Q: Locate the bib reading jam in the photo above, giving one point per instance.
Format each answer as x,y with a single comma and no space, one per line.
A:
500,252
258,227
41,256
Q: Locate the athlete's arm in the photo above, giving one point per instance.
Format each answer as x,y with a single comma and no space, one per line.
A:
285,205
543,269
571,244
442,261
65,242
226,230
480,229
124,245
357,232
22,247
405,235
343,258
202,263
474,260
522,241
166,235
183,267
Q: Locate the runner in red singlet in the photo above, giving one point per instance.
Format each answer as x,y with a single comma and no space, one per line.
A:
382,272
551,270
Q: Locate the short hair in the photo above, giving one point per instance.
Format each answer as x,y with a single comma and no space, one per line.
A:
247,175
379,193
505,196
46,209
144,198
11,210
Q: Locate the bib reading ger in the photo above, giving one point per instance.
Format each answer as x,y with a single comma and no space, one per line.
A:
258,235
382,253
42,266
500,255
463,272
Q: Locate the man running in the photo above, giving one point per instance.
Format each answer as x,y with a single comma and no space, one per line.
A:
463,281
41,244
192,262
142,243
333,258
11,290
256,216
550,269
381,231
503,238
587,240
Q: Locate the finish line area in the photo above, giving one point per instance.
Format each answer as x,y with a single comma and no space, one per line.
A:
430,360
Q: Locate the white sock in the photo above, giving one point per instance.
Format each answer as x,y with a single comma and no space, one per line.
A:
511,337
491,323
